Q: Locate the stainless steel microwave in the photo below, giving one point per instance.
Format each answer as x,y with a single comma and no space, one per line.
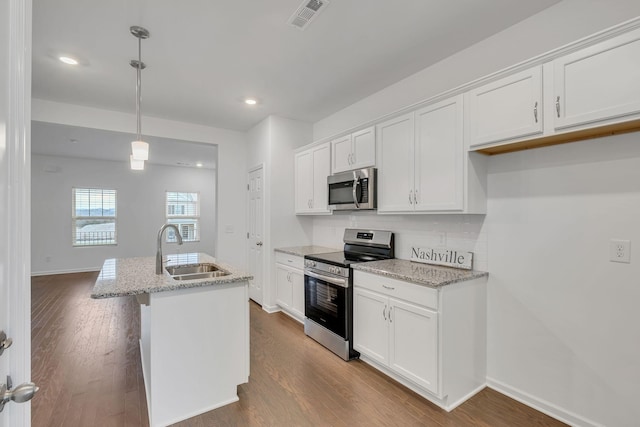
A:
353,190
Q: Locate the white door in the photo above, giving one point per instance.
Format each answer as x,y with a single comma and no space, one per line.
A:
341,158
321,170
370,325
15,195
508,108
256,233
439,157
414,343
297,292
395,164
284,284
364,148
598,83
304,181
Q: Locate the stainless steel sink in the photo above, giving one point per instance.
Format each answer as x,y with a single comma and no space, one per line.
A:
207,275
195,271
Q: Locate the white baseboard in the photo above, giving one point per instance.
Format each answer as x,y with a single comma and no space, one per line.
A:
541,405
271,308
451,406
73,270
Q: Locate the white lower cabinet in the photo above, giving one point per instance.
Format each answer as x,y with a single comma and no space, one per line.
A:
290,285
431,340
413,338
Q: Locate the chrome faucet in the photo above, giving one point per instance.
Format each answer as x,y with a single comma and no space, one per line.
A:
159,252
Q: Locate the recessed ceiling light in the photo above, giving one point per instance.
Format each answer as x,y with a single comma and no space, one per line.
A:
250,101
199,164
68,60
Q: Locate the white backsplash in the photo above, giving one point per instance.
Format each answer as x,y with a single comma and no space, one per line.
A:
464,232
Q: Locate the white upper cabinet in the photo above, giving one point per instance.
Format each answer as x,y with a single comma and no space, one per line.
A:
395,164
439,155
507,108
421,160
354,151
600,82
312,167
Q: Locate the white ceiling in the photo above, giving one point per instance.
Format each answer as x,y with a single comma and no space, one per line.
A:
204,56
79,142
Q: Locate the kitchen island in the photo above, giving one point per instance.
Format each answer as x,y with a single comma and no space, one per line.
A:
194,340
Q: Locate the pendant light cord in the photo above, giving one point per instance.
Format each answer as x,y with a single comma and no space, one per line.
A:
139,88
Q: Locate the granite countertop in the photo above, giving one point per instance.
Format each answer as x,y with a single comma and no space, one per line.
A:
135,276
306,250
433,276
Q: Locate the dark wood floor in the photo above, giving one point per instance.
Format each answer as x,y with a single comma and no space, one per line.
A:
86,361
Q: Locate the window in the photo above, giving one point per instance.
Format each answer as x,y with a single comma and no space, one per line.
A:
183,210
93,217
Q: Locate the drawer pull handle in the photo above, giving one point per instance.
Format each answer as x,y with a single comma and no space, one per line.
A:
384,312
391,288
390,319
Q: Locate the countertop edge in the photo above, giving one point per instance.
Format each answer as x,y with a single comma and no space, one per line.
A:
465,275
301,251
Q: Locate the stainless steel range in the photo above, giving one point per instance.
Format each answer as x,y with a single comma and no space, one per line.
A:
328,286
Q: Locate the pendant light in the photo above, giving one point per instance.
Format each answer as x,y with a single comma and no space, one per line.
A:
139,148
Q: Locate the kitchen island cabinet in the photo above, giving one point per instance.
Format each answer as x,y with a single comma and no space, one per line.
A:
424,326
194,341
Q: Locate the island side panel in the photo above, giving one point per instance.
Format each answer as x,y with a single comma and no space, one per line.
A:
198,350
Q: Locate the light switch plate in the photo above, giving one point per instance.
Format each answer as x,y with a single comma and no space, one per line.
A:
620,250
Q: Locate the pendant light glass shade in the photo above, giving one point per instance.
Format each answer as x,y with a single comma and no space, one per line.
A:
140,150
136,165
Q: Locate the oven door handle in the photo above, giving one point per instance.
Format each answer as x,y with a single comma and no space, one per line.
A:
338,282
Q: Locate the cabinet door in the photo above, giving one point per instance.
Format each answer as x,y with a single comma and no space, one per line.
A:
284,295
598,83
370,326
341,157
506,109
439,158
414,343
297,292
304,181
321,170
395,164
364,148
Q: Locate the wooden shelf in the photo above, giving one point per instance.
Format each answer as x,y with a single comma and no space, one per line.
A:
579,135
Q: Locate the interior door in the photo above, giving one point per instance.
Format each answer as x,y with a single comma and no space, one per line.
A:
15,196
256,233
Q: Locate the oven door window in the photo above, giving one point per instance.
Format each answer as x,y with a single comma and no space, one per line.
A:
325,304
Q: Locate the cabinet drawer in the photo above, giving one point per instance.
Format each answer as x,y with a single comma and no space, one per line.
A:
417,294
290,260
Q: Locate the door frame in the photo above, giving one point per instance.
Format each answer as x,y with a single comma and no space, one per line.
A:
18,201
265,247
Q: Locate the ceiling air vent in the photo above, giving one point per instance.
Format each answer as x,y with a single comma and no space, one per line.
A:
307,12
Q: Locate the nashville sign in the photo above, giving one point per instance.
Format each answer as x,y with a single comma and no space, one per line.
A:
443,256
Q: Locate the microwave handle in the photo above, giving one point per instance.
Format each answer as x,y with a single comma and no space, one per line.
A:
356,182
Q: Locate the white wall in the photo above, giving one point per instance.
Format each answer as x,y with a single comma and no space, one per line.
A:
272,142
140,210
232,162
562,329
563,319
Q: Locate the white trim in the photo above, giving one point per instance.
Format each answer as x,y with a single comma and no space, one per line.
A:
451,406
18,204
67,271
541,405
271,308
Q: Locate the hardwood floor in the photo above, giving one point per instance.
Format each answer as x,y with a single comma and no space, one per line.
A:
86,361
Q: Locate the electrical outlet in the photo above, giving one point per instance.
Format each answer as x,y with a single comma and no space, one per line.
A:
620,251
